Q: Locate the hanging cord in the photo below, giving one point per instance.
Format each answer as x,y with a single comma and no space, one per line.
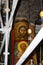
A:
40,56
41,4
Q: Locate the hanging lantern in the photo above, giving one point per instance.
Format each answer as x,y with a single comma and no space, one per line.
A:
41,14
29,31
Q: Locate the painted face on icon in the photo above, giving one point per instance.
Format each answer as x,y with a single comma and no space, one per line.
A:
22,31
23,47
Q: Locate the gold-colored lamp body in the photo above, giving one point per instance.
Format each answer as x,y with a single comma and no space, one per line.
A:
29,31
41,14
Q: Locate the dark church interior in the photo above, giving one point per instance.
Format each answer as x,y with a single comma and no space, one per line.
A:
27,22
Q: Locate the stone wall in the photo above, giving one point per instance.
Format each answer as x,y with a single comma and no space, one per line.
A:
29,9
